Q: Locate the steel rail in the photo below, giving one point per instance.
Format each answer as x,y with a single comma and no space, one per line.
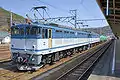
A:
67,74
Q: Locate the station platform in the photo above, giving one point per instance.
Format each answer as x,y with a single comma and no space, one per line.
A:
108,67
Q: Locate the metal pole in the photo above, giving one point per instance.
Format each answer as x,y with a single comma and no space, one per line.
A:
75,18
107,9
114,9
74,12
10,18
43,13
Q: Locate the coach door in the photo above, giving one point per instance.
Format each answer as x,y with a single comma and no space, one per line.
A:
50,38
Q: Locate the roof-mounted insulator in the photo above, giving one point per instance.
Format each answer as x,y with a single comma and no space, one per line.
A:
13,24
28,21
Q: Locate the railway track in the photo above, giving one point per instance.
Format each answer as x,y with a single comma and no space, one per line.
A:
4,54
84,68
8,70
11,73
5,60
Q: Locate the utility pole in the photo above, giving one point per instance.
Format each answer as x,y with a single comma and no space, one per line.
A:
107,9
10,18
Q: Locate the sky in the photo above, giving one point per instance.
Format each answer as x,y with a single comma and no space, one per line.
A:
86,9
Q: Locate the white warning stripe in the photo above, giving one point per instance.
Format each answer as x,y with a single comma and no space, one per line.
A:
113,63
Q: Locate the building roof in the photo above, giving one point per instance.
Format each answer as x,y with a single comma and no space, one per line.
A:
114,14
3,34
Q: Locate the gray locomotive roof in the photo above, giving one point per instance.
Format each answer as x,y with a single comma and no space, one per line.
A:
61,27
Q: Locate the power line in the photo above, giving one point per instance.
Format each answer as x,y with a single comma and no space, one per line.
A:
53,6
82,1
92,20
47,13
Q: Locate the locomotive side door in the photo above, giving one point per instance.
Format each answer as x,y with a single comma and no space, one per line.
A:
50,38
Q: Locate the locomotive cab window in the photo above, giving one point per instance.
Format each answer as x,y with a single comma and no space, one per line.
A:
14,31
35,31
28,30
21,31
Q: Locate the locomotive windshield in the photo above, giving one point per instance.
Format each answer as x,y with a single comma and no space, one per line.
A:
27,31
16,31
33,30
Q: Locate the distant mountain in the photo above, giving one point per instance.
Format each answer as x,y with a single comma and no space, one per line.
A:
106,30
5,19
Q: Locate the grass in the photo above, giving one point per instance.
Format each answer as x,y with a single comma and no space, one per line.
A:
5,19
6,13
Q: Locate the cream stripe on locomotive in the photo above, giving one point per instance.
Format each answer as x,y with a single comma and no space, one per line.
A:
42,44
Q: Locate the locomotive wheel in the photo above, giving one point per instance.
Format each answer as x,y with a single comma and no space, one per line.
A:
57,58
61,55
44,61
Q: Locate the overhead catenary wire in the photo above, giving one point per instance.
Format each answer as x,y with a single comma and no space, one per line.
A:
40,14
90,13
81,2
47,13
87,9
58,8
63,10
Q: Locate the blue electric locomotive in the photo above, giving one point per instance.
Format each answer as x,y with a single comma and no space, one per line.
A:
34,45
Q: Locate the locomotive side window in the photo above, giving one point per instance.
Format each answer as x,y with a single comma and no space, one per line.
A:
71,32
66,31
33,31
58,31
39,31
44,33
50,35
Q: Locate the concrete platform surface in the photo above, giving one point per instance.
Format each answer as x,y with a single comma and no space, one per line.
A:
108,67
